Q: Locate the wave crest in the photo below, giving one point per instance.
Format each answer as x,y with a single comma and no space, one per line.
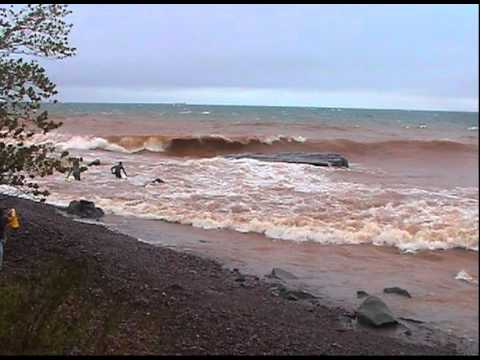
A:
214,145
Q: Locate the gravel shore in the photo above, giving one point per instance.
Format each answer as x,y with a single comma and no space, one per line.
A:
75,288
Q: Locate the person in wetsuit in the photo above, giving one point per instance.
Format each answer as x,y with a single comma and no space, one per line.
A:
116,170
75,170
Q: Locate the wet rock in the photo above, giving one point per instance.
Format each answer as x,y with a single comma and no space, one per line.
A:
84,209
412,320
374,312
361,294
158,181
397,290
316,159
280,274
302,295
95,162
294,295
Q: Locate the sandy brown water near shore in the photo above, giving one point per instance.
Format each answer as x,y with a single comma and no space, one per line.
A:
336,272
412,184
75,288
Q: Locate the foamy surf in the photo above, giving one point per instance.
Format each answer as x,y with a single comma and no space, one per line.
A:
161,143
464,276
217,144
378,201
290,202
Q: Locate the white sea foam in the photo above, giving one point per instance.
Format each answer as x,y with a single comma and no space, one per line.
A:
464,276
473,128
132,144
65,142
293,202
83,143
275,138
12,191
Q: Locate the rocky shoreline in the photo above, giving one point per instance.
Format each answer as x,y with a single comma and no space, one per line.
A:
77,288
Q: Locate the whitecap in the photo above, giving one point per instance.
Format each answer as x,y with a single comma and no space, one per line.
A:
464,276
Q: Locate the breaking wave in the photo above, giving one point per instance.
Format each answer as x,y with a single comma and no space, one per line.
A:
213,145
292,202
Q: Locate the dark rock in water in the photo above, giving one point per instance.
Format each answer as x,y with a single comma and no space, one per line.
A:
397,290
317,159
293,295
373,311
412,320
280,274
361,294
158,181
94,162
84,209
302,295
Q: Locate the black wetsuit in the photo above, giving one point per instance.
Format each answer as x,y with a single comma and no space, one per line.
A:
76,171
116,170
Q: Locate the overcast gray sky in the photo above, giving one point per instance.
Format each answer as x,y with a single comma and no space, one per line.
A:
370,56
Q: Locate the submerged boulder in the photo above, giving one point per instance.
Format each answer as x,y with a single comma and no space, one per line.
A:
361,294
374,312
280,274
397,290
317,159
84,209
95,162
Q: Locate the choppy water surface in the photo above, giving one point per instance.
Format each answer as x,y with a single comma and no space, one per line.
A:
411,190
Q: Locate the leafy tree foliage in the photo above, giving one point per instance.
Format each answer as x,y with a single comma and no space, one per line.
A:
32,32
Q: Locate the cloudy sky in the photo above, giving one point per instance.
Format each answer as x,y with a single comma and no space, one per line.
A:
368,56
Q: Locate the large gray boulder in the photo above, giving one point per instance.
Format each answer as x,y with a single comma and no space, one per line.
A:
84,209
317,159
374,312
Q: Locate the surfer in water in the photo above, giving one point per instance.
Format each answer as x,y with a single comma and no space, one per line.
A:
75,170
116,170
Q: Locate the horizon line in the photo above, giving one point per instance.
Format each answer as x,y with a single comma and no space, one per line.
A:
273,106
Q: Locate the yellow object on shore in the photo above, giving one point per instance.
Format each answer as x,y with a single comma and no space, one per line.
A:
13,222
